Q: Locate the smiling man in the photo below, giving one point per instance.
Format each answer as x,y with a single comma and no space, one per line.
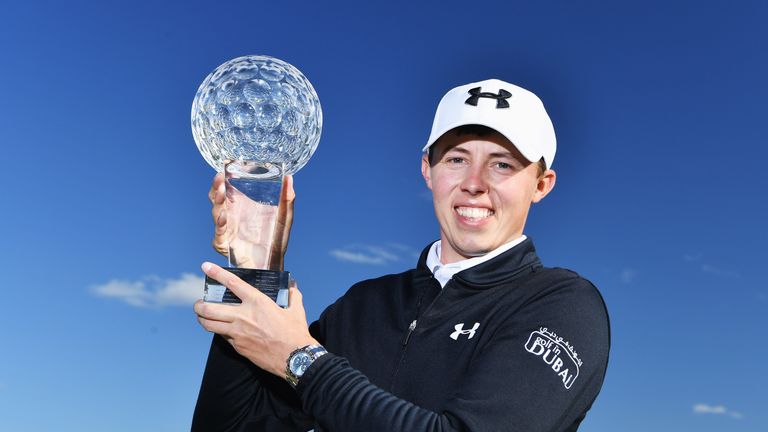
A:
482,188
480,336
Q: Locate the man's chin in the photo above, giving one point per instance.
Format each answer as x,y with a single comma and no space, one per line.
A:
466,249
474,251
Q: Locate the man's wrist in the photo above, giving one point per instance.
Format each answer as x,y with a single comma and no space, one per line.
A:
300,360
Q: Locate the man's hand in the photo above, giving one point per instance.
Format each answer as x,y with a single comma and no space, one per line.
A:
257,328
218,196
224,232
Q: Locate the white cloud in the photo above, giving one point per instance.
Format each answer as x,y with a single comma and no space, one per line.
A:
356,257
376,255
383,253
628,275
692,257
152,291
709,409
405,251
716,409
707,268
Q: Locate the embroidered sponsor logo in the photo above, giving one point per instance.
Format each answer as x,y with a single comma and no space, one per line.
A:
460,331
556,352
477,93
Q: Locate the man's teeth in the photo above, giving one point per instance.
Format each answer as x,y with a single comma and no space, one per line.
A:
474,212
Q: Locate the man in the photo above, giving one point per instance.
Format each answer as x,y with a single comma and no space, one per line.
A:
478,337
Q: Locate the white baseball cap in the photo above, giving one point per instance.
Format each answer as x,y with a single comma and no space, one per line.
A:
512,111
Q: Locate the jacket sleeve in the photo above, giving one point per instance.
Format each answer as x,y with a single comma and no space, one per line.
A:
236,395
510,384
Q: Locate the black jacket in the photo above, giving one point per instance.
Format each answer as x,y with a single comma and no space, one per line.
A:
507,345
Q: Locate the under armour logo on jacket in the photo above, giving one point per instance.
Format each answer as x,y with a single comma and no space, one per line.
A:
501,98
460,331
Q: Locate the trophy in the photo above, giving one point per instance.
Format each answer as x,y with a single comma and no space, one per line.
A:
257,118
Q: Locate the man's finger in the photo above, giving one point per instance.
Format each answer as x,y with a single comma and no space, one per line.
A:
221,221
217,327
221,193
240,288
215,312
289,195
289,198
218,181
220,241
228,279
284,222
295,299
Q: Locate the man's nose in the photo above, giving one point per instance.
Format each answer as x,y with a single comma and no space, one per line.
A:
475,181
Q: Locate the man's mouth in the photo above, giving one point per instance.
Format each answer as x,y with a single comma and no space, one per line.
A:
474,214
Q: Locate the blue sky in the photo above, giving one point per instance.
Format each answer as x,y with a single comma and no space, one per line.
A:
659,110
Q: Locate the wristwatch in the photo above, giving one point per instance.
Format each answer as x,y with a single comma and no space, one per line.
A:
299,361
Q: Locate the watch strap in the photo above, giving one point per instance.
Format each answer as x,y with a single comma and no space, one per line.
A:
313,351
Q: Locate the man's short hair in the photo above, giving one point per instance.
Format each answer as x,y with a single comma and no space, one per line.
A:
481,131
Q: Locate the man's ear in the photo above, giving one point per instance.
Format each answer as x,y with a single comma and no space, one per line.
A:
426,170
544,185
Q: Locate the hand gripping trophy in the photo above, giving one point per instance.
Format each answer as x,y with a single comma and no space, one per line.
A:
257,118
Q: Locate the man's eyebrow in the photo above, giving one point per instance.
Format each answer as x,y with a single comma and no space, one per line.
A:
457,149
502,154
507,154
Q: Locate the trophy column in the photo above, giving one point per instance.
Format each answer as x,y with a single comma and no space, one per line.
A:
253,198
253,191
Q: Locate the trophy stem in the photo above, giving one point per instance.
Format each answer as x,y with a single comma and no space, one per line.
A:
253,207
253,191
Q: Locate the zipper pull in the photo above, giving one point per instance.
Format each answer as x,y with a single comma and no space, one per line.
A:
411,328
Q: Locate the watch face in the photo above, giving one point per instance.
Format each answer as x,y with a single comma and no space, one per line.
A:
299,363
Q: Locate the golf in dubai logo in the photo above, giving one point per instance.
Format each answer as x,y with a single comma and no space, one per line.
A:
557,353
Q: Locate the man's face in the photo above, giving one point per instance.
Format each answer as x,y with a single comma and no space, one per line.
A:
482,189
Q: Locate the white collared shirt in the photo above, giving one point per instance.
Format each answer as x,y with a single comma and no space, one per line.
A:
444,272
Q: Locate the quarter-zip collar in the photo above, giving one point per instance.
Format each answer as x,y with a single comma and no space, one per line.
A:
506,266
444,272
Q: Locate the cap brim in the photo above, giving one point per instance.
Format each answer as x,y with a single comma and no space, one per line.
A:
531,156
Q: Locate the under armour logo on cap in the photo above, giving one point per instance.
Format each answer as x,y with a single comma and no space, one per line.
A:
501,98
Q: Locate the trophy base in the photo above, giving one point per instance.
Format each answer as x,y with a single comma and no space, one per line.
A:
274,284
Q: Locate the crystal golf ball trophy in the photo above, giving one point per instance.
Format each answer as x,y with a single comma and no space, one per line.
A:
256,118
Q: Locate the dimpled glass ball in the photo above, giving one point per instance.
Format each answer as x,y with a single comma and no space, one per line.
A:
257,108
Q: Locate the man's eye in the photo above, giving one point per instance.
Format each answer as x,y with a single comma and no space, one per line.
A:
454,160
503,165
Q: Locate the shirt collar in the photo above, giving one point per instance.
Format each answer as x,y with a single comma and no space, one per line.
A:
444,272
